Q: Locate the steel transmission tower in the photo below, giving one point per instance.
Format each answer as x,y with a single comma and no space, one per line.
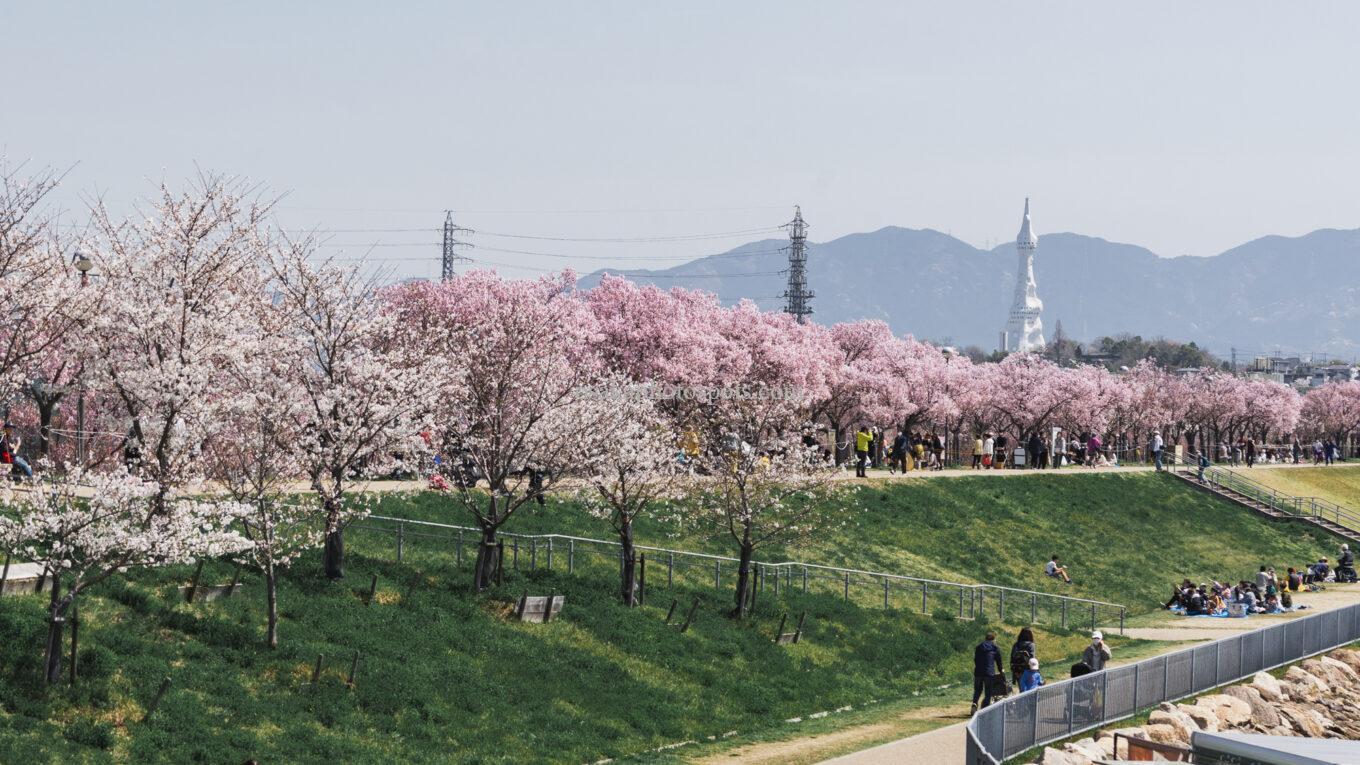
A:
451,244
798,298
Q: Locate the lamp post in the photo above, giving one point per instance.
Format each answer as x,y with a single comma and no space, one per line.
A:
83,264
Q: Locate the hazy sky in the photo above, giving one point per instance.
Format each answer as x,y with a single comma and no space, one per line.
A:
1183,127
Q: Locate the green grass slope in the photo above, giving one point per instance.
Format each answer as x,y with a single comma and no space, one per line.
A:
1126,538
445,676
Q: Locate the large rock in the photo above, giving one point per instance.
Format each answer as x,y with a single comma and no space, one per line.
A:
1308,685
1302,720
1204,719
1176,719
1059,757
1269,688
1346,675
1347,656
1229,710
1332,672
1086,747
1263,714
1164,734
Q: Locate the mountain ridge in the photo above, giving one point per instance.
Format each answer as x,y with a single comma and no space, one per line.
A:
1299,294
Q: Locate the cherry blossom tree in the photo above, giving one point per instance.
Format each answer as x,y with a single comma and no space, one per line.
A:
859,381
177,288
512,392
363,380
1332,410
85,528
1025,392
629,467
257,459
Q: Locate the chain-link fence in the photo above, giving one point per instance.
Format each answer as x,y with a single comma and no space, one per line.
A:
1058,711
423,540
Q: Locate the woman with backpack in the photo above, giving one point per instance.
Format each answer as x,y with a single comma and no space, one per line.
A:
1021,652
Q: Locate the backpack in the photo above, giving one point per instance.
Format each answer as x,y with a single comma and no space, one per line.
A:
1081,668
1019,659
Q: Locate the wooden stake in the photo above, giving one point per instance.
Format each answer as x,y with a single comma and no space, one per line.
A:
779,633
690,618
156,702
75,639
372,590
671,611
353,670
316,673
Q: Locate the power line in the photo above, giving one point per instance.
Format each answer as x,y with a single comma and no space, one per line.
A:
634,240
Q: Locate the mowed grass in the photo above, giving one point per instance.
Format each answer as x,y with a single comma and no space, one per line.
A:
1338,484
446,676
1126,538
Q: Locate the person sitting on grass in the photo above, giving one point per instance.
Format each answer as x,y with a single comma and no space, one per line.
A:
1179,593
1215,603
1273,605
1318,572
1197,604
1294,580
1055,570
1031,678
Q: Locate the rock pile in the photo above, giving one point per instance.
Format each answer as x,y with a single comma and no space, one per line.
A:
1319,698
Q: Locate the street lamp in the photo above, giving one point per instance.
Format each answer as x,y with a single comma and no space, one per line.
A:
83,264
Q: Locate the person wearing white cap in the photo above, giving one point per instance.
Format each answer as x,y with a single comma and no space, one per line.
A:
1097,653
1031,679
1345,565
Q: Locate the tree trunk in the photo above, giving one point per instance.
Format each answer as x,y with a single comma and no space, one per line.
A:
484,571
743,581
56,625
629,575
333,555
271,595
46,408
840,448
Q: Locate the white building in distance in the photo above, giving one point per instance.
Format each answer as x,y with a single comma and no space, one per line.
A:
1025,329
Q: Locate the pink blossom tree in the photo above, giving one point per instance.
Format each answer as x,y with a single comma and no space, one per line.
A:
1332,410
513,397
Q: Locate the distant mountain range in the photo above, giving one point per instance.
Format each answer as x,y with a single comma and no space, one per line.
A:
1299,294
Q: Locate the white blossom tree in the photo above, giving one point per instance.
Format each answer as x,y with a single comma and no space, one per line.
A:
364,380
87,527
257,460
630,466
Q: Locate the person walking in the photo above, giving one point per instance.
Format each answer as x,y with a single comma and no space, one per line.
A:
1031,678
863,439
898,455
1022,652
986,667
988,448
977,452
1097,653
1251,452
1157,450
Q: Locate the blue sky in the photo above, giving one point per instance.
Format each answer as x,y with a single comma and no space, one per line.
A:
1187,128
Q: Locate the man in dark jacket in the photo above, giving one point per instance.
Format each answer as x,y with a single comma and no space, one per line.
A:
986,665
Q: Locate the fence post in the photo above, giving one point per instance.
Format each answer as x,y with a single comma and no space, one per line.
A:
1121,620
1064,613
960,602
514,553
885,593
459,556
1001,607
1093,617
571,556
1034,609
401,539
847,585
804,578
717,574
1218,649
670,570
550,546
533,553
1071,704
1166,675
924,610
1193,687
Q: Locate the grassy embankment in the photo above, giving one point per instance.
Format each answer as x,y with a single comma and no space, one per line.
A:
446,677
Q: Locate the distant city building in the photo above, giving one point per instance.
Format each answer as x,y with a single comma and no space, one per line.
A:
1025,329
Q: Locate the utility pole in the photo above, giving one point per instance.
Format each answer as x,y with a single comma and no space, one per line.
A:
797,296
451,244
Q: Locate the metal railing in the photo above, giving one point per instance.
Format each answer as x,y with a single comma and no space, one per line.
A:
1061,710
966,601
1299,507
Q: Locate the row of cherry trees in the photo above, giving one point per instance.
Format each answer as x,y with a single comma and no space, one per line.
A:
238,391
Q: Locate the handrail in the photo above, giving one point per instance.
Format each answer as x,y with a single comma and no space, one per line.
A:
764,564
1317,507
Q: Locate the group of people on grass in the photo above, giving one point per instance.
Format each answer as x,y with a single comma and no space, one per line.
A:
989,673
1266,593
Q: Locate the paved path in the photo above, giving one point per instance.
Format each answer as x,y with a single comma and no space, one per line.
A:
944,745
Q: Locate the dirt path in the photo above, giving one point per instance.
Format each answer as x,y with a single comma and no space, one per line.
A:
919,724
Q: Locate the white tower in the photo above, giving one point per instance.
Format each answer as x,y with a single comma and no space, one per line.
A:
1024,329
